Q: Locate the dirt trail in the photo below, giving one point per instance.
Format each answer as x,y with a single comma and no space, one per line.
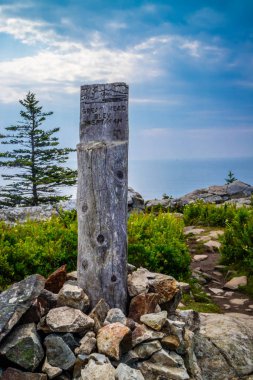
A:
204,244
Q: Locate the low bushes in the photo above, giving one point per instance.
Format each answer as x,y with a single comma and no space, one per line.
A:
37,247
156,242
237,242
207,214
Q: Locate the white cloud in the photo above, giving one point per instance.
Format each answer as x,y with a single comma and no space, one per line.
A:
116,25
157,101
60,64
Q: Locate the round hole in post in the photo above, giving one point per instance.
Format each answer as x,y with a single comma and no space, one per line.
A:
85,264
100,239
120,174
113,278
84,207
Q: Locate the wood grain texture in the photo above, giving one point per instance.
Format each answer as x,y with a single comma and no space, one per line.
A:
102,193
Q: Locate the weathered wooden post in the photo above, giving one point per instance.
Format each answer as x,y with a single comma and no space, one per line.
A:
102,193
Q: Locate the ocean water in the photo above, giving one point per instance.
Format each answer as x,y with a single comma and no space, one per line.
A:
180,176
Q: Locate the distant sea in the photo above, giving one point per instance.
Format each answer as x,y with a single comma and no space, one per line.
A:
180,176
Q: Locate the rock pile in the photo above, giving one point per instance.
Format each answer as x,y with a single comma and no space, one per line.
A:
47,331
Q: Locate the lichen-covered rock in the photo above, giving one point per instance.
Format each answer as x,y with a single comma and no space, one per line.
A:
114,339
115,315
124,372
46,300
55,281
16,374
58,352
146,349
143,334
225,336
16,300
23,347
164,365
99,313
171,342
154,320
98,369
144,303
73,296
67,319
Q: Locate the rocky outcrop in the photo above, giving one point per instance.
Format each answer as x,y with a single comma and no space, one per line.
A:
236,192
148,343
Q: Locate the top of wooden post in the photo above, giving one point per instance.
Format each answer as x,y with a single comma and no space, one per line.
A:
104,112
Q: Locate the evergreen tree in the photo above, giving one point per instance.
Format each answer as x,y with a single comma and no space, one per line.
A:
35,162
231,178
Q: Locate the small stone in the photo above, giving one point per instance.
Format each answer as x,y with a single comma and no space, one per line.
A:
87,344
115,315
190,318
130,268
96,371
15,374
99,313
72,275
58,352
194,231
213,244
137,282
113,340
238,301
227,307
154,320
67,319
219,274
124,372
50,370
23,347
47,300
73,296
216,291
185,287
170,342
250,306
56,280
228,294
235,282
197,258
143,334
146,349
141,304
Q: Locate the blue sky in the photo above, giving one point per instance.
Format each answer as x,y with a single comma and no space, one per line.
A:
189,65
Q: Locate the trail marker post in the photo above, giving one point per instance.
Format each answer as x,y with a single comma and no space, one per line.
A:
102,193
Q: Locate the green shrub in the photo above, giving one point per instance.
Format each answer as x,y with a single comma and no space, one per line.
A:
37,247
156,242
208,214
237,242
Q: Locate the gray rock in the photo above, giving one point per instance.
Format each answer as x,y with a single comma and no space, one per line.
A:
225,346
134,200
238,188
164,365
115,315
87,344
51,371
70,340
158,203
58,352
73,296
67,319
124,372
235,282
95,370
154,320
23,347
190,318
16,300
146,349
99,313
142,334
16,374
